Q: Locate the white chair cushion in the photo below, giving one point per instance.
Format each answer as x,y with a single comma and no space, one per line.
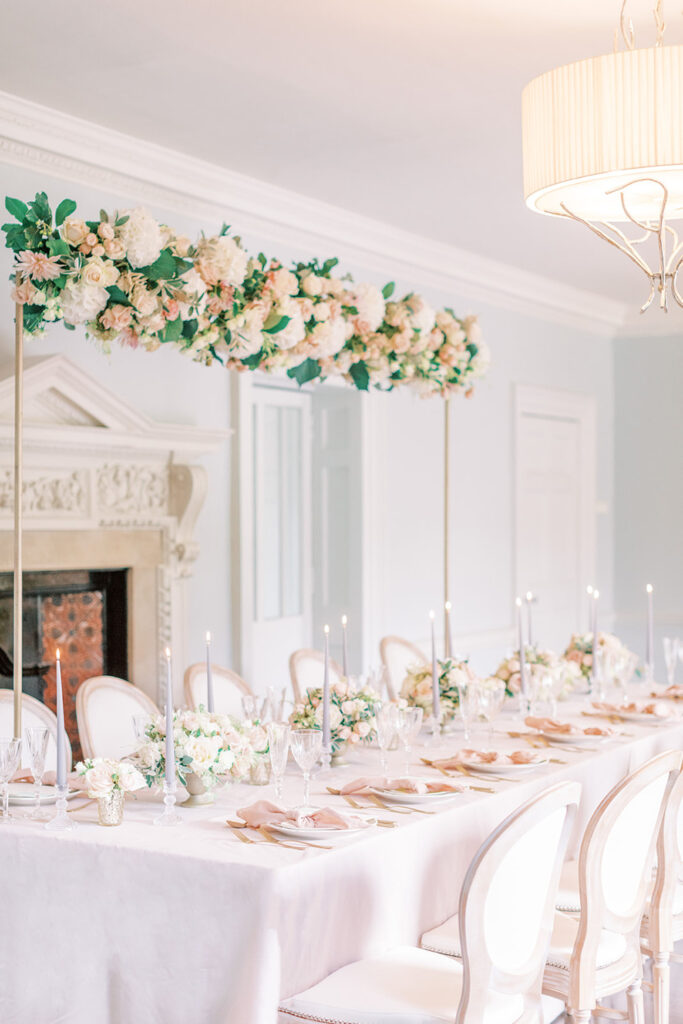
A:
611,947
445,939
406,986
568,891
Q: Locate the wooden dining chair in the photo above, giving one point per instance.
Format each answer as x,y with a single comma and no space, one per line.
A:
506,913
597,953
228,689
398,655
105,706
662,924
306,671
33,713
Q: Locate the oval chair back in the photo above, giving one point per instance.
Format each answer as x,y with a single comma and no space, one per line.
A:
306,671
105,706
228,689
398,655
33,713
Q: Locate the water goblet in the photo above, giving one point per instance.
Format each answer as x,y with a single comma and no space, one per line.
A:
408,726
278,748
249,706
307,745
490,699
36,745
10,752
672,650
467,703
140,724
386,724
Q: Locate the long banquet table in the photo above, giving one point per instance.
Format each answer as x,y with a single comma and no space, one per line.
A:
188,925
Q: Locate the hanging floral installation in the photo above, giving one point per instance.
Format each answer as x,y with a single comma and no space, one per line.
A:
131,280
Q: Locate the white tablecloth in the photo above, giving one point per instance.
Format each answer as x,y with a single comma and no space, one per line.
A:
141,925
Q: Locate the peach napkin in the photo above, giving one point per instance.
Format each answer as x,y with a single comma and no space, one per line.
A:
74,780
550,725
492,757
635,707
263,812
405,785
673,692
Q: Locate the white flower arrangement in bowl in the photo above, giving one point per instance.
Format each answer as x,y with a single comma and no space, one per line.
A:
550,676
352,713
417,685
108,782
209,749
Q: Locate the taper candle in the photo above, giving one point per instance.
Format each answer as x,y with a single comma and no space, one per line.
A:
529,615
448,638
170,748
589,591
650,636
345,650
436,702
209,678
61,748
596,639
523,681
326,691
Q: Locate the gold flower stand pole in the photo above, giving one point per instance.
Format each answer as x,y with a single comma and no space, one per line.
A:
18,511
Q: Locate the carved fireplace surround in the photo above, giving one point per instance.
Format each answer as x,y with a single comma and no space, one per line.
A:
107,488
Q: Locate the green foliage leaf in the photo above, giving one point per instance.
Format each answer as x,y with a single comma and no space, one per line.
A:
122,220
388,289
189,328
15,207
360,376
279,324
182,266
308,370
58,247
253,361
64,210
16,237
41,207
173,330
328,265
118,295
163,268
104,216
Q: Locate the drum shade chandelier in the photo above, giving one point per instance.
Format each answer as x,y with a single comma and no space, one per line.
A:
603,145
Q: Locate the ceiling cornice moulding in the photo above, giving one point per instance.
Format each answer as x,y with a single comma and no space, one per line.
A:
40,138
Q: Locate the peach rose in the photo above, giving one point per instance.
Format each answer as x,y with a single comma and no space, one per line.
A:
114,248
74,231
116,318
105,231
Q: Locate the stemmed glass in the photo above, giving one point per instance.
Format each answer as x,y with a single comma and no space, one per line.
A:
672,647
386,726
140,723
249,706
467,699
307,745
490,698
36,744
10,751
408,726
278,748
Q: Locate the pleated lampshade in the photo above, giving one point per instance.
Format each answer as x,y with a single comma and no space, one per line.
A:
597,125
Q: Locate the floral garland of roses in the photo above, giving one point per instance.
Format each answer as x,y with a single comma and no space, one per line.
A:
352,713
132,280
417,685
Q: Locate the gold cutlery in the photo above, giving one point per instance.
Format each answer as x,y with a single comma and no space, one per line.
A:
298,844
241,836
393,810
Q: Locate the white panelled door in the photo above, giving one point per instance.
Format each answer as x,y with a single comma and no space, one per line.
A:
281,431
555,508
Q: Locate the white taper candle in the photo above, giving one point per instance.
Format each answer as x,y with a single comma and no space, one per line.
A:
326,691
650,636
170,748
523,681
436,702
209,678
345,650
61,747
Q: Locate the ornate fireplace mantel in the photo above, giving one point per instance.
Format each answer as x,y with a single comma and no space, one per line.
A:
106,487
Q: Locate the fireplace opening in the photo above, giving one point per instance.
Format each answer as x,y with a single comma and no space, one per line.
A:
84,614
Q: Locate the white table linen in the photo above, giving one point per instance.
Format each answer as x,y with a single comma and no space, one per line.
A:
141,925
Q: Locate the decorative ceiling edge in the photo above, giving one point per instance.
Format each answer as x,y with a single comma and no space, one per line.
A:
40,138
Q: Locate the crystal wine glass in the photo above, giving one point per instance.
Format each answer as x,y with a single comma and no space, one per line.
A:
36,745
307,745
672,648
386,725
10,751
466,702
490,699
278,748
249,706
409,724
140,723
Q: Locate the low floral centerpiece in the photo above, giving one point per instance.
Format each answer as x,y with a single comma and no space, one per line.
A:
108,782
209,750
351,713
417,685
541,664
616,660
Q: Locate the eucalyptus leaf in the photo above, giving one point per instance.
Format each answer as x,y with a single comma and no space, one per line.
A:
278,326
388,289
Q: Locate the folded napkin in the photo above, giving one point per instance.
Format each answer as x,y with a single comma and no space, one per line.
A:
73,779
405,785
550,725
492,757
635,707
263,812
674,692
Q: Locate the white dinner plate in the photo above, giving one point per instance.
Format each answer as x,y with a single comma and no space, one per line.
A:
22,794
576,738
638,716
503,767
400,797
301,832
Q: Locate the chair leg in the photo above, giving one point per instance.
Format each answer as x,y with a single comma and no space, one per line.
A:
579,1016
661,982
634,998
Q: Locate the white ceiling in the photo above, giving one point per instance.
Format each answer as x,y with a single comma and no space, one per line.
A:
405,110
